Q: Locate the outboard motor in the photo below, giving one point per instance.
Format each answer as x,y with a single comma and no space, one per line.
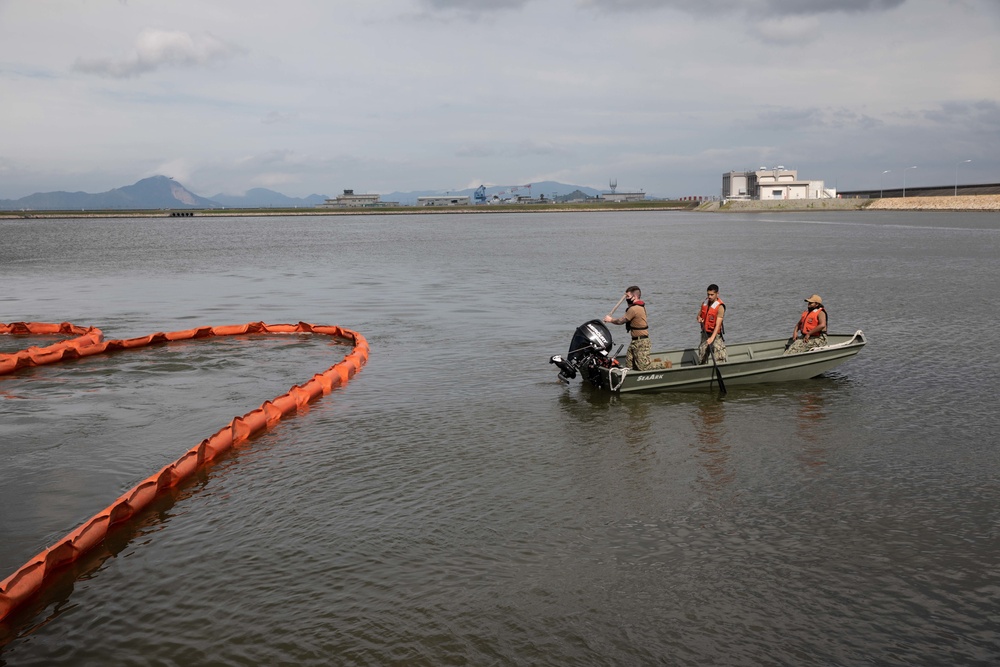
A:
590,347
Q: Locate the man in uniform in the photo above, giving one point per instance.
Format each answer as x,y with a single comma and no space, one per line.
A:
712,332
810,330
634,319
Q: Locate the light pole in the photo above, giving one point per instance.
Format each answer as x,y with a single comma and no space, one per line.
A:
904,179
881,181
956,174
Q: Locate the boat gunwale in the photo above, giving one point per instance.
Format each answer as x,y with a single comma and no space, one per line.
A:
739,370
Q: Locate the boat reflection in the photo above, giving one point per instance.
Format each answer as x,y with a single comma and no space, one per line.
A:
714,451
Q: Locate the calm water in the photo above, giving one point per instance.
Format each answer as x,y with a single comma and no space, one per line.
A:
454,504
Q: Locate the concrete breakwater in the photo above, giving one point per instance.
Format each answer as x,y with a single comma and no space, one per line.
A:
946,203
747,206
959,203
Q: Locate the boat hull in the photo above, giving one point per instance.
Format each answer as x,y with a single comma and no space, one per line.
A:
749,363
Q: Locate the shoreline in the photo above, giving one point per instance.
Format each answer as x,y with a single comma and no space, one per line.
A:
975,203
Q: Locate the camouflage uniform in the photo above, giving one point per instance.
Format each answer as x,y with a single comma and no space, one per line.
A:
718,347
637,357
803,345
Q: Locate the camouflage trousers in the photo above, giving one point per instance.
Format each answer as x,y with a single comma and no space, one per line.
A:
718,346
637,357
802,345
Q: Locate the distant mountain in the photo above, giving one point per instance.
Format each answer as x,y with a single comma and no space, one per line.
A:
576,195
156,192
264,198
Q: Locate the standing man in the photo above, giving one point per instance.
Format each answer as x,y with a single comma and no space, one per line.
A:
810,330
712,332
634,319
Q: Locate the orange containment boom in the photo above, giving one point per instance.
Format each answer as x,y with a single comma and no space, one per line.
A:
30,578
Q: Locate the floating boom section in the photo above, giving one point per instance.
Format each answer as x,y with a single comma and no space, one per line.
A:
31,578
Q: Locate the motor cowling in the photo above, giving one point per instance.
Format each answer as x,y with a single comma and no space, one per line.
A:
590,346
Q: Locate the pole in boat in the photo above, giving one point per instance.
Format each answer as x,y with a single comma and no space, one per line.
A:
718,373
616,306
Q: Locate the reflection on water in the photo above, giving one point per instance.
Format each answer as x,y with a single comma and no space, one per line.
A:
810,422
712,443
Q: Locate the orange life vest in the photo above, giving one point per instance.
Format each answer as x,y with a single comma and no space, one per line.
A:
810,319
709,315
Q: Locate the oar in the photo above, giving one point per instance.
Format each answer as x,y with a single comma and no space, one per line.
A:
718,373
616,306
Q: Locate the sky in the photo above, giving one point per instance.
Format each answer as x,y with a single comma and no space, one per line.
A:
660,96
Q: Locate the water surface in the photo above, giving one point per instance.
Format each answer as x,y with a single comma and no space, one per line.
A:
454,504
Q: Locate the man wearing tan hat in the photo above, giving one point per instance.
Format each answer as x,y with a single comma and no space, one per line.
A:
810,330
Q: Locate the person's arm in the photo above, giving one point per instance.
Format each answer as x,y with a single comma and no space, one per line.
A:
798,327
718,324
617,320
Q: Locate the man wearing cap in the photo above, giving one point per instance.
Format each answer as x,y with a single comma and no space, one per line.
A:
634,319
810,331
713,332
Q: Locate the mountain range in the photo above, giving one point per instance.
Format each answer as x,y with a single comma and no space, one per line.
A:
162,192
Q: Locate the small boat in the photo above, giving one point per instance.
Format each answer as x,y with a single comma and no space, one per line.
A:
748,363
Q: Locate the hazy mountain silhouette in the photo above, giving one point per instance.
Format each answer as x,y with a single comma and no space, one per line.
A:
155,192
264,198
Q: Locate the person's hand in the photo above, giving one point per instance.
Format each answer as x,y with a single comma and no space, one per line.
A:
608,318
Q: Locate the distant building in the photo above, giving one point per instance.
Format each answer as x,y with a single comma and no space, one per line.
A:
771,184
443,200
349,199
623,196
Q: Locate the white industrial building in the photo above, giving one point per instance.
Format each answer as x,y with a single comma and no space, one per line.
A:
349,199
772,184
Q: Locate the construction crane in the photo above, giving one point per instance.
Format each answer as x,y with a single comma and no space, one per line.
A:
480,195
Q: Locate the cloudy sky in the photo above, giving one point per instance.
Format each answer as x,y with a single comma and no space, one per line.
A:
315,96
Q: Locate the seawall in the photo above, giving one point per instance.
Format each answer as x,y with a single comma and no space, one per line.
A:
947,203
950,203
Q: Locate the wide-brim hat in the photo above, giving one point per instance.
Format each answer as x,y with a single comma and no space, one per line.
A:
815,298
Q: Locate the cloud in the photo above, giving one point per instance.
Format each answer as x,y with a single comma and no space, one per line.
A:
155,49
278,117
788,30
787,119
178,169
522,148
475,5
477,151
980,115
747,7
